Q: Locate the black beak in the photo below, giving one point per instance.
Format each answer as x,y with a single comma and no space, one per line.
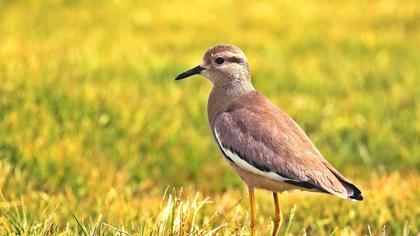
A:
194,71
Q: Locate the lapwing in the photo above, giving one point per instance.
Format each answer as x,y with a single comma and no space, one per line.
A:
265,147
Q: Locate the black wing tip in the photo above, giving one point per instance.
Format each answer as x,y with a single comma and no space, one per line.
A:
357,197
357,194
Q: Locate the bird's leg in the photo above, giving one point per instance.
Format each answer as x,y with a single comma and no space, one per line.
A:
278,217
252,205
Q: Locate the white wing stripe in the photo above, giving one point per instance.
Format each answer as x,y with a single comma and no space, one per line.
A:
245,165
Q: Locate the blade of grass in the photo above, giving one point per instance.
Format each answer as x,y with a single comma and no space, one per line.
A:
292,214
85,232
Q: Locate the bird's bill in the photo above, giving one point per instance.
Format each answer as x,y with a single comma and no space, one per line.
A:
194,71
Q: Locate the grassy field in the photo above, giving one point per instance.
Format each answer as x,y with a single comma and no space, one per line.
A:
96,137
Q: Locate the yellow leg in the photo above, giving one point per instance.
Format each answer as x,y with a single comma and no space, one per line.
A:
278,217
252,205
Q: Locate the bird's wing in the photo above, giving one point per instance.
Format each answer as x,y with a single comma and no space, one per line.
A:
262,139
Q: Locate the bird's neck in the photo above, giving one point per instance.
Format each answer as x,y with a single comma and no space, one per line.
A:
236,88
222,95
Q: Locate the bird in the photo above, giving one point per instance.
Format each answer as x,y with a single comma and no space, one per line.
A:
263,145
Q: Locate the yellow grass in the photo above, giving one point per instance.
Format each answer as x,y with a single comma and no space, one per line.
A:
96,137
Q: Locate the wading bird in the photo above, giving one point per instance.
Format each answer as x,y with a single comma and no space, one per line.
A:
266,148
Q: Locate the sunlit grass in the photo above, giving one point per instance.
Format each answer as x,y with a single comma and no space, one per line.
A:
94,129
385,211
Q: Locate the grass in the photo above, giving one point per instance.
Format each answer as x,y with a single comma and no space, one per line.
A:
94,131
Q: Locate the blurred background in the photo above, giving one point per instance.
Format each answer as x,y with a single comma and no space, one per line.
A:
93,127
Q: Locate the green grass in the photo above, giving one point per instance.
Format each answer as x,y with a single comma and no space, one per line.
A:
93,129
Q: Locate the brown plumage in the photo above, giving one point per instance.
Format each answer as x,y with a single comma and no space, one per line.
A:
261,142
268,139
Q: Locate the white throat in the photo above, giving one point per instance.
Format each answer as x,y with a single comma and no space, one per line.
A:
239,87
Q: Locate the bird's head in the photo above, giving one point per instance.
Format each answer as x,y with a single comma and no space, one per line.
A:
224,65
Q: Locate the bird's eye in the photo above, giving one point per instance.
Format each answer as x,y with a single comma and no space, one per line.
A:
219,60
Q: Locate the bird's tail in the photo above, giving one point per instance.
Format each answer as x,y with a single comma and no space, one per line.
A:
354,193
